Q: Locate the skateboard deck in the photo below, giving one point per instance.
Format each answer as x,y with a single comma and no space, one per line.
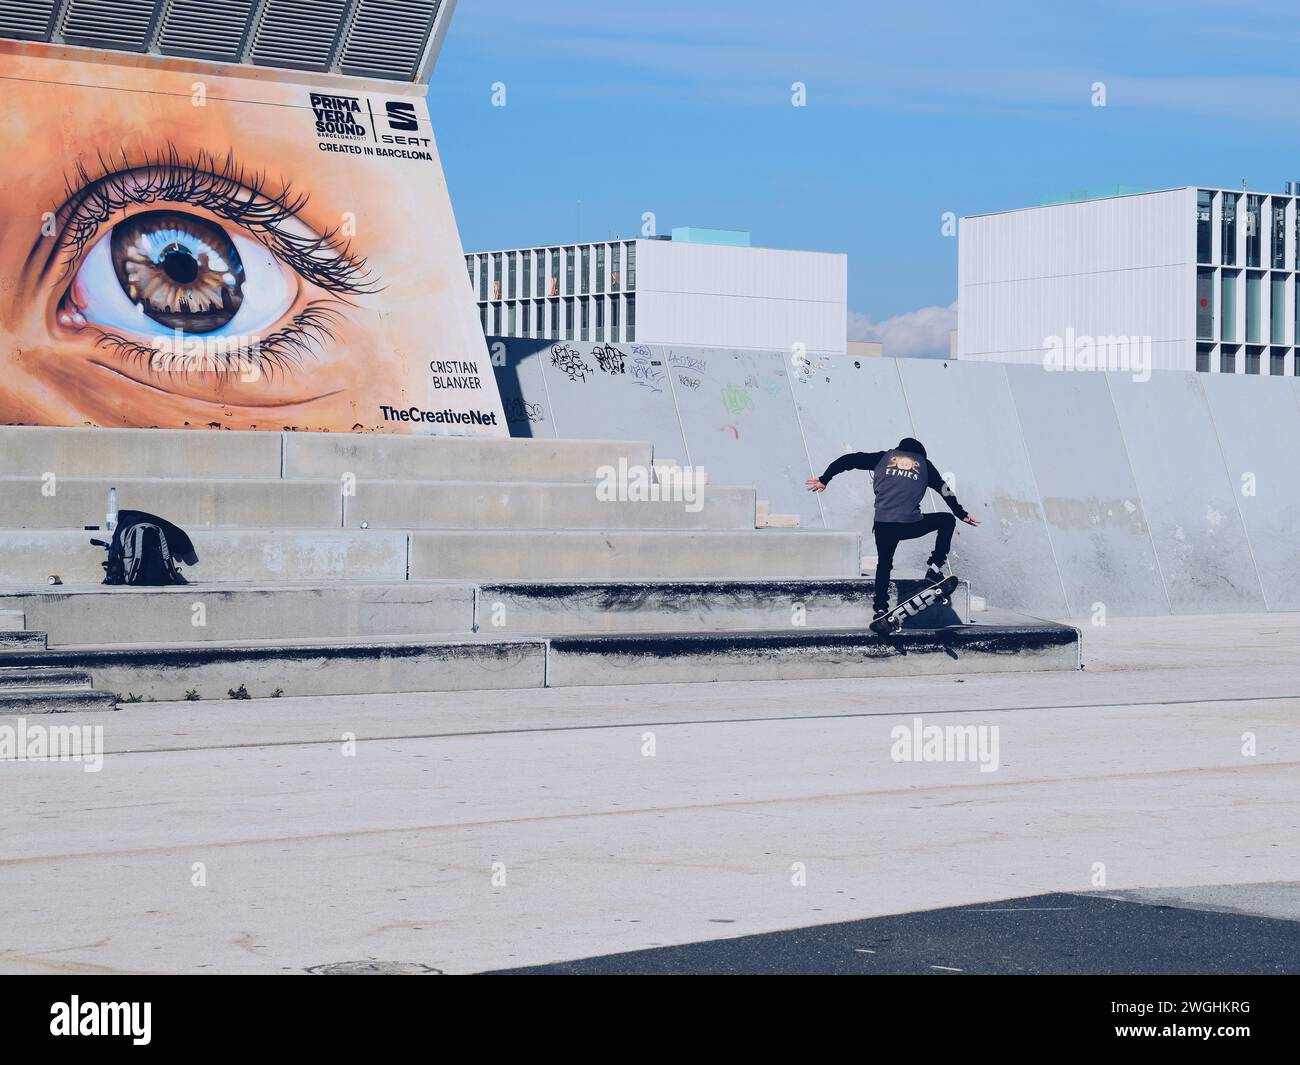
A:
922,600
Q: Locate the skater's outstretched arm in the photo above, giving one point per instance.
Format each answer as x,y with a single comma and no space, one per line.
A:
854,460
947,494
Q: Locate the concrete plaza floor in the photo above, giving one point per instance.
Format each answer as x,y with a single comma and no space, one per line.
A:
486,830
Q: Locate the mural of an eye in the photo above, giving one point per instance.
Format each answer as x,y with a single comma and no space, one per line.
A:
183,270
178,271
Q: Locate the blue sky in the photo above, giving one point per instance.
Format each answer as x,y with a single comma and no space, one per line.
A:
684,109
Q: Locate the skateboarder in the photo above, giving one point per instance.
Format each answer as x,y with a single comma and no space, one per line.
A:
900,478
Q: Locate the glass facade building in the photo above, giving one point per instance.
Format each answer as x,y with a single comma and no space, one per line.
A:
597,290
1248,320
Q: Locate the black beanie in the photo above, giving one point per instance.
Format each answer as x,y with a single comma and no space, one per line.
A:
913,445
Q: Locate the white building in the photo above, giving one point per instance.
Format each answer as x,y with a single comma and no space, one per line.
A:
1210,276
704,288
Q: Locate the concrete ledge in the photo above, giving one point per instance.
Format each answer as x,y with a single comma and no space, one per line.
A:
622,554
37,677
345,668
657,658
191,504
232,612
533,505
452,458
264,669
14,641
567,607
33,451
55,701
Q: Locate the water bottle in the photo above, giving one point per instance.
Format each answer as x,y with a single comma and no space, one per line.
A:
110,519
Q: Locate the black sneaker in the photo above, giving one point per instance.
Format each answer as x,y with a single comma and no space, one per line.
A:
881,626
934,574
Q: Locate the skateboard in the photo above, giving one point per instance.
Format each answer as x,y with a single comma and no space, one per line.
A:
891,622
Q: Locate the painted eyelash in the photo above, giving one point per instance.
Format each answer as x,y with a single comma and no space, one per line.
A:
222,187
283,351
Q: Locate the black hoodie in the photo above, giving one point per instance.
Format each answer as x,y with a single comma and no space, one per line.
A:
900,478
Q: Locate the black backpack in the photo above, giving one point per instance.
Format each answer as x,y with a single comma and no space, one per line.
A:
146,558
142,551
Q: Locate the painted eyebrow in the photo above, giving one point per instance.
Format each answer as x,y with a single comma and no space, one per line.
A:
220,185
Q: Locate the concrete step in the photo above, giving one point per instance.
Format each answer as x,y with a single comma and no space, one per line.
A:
28,557
765,519
250,503
12,621
410,458
357,609
55,701
240,611
299,667
304,668
627,555
192,504
566,607
37,678
520,505
15,642
38,451
672,658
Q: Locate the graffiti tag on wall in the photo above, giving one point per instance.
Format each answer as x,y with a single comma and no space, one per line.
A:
567,359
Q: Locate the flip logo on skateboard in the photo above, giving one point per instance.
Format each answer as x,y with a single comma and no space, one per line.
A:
923,600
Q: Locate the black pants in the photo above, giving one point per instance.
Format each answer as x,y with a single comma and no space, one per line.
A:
890,533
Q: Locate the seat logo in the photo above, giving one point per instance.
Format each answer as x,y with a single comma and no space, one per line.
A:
401,115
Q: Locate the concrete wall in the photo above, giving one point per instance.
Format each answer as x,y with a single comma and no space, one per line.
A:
1096,491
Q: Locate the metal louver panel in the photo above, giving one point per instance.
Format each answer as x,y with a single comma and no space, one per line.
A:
389,40
120,24
27,18
208,29
386,38
299,34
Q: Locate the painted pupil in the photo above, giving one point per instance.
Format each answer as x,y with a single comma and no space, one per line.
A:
182,271
180,265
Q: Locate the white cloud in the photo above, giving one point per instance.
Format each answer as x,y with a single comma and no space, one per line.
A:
921,333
